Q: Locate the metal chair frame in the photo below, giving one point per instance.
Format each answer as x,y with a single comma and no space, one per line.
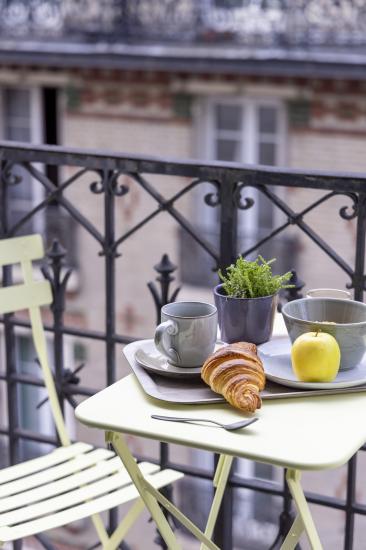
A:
74,481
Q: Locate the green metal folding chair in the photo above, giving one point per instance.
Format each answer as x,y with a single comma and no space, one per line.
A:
74,481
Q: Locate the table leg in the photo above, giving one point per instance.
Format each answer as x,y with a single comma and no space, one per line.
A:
303,521
152,497
219,481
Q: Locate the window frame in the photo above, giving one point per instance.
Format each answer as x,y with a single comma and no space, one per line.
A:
206,132
36,136
45,422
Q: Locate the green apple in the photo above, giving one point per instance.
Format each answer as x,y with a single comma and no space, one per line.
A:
315,357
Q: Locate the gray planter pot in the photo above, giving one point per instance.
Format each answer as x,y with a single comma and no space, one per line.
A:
245,319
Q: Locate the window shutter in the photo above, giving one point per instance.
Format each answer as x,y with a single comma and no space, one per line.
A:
298,113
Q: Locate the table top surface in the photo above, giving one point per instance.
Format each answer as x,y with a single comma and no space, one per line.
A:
304,433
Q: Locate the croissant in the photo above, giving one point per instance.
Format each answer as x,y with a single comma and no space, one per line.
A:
236,372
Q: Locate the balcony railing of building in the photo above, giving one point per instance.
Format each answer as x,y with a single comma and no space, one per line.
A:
225,188
259,23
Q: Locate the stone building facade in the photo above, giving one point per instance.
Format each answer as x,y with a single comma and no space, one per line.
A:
307,123
323,127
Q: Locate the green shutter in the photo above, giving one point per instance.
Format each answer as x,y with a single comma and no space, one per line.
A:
298,113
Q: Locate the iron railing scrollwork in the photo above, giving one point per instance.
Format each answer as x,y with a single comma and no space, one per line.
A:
259,23
229,183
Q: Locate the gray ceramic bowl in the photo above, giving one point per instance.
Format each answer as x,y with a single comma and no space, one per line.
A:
349,328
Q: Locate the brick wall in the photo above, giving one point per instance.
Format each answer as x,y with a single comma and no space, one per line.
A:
326,151
148,130
146,114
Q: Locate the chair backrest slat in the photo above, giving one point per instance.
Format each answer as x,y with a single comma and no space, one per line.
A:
20,249
16,297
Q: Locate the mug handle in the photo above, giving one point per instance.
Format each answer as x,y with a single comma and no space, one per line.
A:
163,334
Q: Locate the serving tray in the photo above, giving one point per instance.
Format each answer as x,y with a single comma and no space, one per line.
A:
196,391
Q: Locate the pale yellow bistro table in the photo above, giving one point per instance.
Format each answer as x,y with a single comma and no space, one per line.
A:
314,433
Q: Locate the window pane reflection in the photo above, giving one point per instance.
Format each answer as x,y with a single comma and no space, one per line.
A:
227,149
267,120
267,153
228,117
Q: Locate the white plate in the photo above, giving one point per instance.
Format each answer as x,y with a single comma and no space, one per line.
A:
153,361
276,358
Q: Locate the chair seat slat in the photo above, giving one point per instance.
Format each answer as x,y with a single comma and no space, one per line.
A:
121,496
74,481
37,464
100,487
51,474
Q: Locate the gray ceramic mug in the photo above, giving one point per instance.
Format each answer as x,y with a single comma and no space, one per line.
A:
188,332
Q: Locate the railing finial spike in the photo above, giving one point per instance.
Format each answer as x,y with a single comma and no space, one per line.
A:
165,268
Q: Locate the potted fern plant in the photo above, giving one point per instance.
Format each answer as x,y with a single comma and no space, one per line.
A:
246,300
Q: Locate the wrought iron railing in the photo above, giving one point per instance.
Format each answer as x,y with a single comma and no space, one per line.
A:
252,22
110,176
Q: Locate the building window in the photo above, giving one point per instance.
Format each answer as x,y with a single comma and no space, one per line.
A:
248,131
29,397
20,120
31,115
31,417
